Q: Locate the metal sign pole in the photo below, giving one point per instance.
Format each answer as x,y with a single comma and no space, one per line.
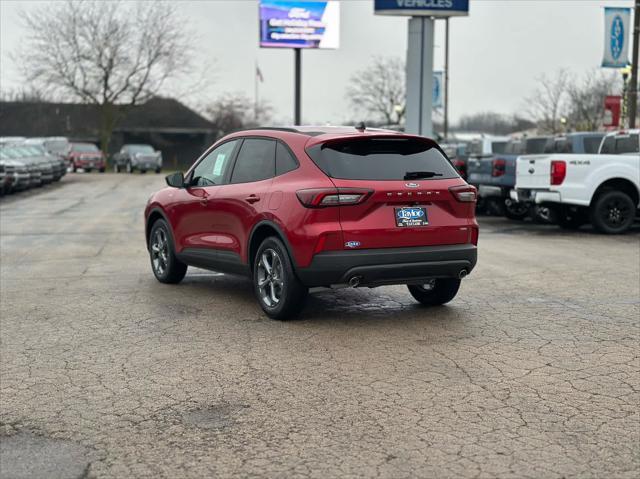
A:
633,83
446,80
297,87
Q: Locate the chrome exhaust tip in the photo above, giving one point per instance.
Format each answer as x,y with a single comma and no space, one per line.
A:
463,273
354,281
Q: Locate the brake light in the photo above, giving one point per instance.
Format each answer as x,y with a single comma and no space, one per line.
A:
558,171
323,197
464,193
498,167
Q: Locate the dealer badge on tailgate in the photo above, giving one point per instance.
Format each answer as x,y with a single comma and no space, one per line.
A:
411,217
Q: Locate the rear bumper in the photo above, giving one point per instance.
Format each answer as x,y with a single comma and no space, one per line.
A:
375,267
535,196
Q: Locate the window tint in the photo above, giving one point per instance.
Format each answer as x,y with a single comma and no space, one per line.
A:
608,145
211,170
498,146
558,145
627,144
591,144
534,146
381,159
256,161
285,162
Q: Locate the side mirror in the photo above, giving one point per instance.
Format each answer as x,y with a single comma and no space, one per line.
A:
176,180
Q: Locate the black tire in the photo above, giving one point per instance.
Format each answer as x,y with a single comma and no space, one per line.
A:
571,219
158,170
129,167
101,170
515,210
165,265
74,168
442,291
495,206
612,212
116,167
281,284
142,172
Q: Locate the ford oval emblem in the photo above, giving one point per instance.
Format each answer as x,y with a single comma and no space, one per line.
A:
412,185
352,244
617,37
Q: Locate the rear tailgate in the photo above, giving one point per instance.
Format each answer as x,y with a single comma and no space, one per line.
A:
479,169
533,172
408,201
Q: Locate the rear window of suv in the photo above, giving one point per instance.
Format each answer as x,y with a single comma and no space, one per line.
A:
381,159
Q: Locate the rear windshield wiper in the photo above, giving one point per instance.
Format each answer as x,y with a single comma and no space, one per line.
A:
416,175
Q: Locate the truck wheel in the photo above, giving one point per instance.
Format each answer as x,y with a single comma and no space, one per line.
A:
102,170
612,212
496,206
515,210
435,292
116,167
74,168
158,170
129,167
279,292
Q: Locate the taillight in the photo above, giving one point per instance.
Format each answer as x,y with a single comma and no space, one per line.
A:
323,197
498,167
464,193
558,172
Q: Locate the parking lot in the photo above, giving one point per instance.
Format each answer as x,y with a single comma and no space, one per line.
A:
532,371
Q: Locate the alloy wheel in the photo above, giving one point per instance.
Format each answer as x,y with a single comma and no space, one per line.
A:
160,252
270,278
615,212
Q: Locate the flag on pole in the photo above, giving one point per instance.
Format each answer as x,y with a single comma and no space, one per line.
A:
616,35
259,74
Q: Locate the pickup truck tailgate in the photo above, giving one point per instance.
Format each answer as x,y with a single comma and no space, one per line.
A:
533,172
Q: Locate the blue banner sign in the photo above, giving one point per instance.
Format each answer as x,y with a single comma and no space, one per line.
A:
617,22
414,8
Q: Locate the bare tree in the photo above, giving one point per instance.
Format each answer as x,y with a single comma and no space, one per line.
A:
234,111
110,54
494,123
587,99
379,90
548,103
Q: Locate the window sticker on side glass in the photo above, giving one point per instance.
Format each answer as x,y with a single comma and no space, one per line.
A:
217,168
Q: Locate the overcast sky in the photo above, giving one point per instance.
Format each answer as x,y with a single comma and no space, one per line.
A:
496,52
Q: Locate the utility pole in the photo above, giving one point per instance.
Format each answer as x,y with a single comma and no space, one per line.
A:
446,79
633,84
296,110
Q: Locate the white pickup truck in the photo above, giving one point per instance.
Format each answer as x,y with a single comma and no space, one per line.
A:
602,188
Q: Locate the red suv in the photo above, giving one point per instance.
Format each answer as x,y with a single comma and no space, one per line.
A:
295,208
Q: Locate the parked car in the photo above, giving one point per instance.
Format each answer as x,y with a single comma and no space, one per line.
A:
55,145
86,156
14,175
603,189
318,206
457,154
495,176
38,173
58,166
137,157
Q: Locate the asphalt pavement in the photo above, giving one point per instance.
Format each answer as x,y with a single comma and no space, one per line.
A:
532,371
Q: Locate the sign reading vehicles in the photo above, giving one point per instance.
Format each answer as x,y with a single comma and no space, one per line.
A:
414,8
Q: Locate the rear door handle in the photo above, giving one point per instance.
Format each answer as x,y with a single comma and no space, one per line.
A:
252,198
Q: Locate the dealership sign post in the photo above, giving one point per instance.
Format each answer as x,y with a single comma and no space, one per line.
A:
420,76
299,24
